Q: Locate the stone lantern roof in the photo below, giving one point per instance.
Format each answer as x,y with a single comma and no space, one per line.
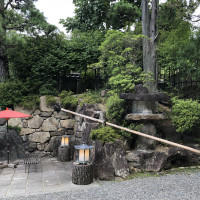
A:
142,94
143,104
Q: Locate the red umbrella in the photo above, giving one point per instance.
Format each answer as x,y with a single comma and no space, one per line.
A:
7,114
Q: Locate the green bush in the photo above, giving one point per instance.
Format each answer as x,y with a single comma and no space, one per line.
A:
51,100
30,101
68,99
185,114
12,92
105,134
132,126
115,109
90,98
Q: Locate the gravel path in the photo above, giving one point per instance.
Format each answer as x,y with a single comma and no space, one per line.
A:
167,187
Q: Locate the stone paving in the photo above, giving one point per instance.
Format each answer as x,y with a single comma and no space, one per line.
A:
49,176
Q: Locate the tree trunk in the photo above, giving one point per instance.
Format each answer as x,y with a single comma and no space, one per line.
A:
149,29
82,174
3,57
64,154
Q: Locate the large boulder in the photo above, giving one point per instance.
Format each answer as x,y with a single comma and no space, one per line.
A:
24,110
156,161
16,148
40,137
50,124
61,115
109,161
53,145
147,160
35,122
87,130
146,143
26,131
30,146
43,105
68,123
120,164
15,122
103,168
177,157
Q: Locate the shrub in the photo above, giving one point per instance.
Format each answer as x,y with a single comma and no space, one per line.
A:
132,126
185,114
30,101
90,98
115,108
51,100
68,99
105,134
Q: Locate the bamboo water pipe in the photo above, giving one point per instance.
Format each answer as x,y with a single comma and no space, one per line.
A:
135,132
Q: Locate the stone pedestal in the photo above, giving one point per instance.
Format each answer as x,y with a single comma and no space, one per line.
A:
64,154
82,174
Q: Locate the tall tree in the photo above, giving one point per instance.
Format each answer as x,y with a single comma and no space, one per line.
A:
102,15
150,30
21,16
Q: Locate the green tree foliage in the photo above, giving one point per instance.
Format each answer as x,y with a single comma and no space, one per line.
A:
83,49
21,16
41,61
178,40
121,60
102,15
12,92
174,12
185,115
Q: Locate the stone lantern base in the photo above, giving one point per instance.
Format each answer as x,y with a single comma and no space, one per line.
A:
64,154
82,174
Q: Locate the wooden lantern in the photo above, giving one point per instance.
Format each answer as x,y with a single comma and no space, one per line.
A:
83,153
65,141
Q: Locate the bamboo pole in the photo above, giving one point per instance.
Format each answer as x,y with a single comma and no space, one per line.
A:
135,132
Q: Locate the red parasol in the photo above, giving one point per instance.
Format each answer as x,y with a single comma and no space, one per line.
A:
7,114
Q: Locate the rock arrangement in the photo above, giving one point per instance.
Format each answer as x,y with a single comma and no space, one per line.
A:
43,133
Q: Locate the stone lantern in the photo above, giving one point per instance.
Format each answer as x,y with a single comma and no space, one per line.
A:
143,111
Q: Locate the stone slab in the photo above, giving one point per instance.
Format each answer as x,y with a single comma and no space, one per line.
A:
137,117
145,96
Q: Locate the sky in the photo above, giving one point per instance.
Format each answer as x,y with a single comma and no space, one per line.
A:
54,10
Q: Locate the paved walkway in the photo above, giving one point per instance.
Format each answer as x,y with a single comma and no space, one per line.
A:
50,176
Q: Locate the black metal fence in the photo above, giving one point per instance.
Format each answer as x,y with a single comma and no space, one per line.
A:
177,78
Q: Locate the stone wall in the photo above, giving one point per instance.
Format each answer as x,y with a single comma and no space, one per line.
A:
43,131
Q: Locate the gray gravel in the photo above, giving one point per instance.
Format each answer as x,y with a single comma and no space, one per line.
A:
167,187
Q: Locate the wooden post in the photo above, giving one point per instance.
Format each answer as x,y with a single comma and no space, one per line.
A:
136,132
64,154
82,174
